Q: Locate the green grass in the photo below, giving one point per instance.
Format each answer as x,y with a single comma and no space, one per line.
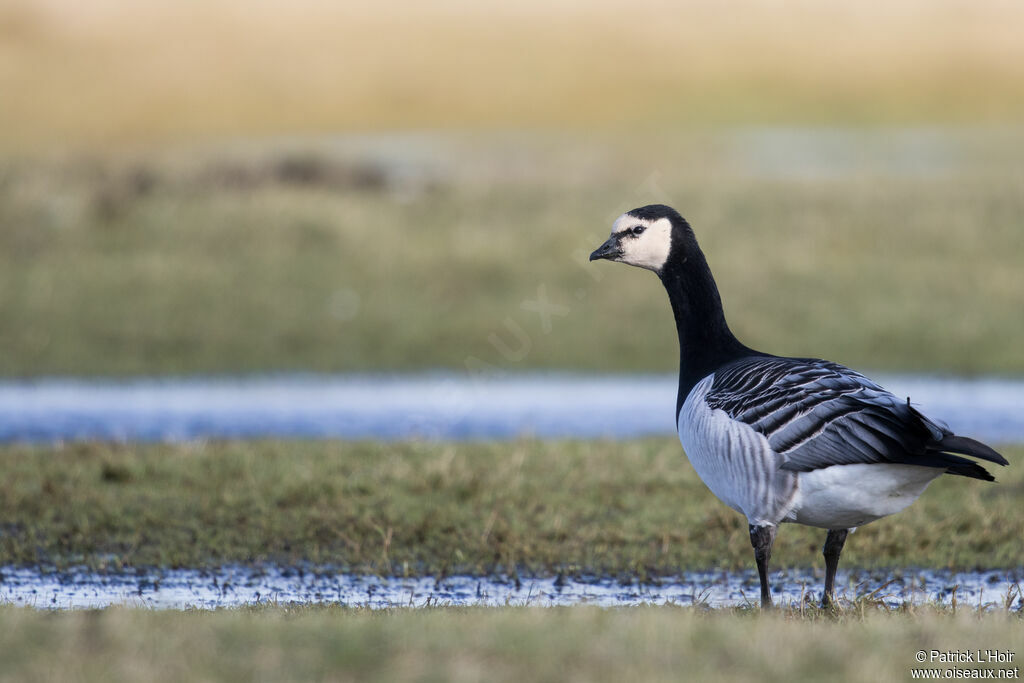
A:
529,644
302,257
633,508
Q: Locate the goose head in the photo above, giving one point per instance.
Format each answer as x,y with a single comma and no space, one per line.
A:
644,237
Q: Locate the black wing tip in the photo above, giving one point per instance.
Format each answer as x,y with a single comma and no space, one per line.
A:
971,470
967,446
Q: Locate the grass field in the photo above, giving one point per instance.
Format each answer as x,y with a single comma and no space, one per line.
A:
212,188
633,508
535,644
889,249
103,72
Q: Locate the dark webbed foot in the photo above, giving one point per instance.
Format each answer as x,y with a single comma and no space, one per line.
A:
833,547
762,537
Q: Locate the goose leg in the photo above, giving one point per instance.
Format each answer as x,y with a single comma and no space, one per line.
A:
833,546
762,537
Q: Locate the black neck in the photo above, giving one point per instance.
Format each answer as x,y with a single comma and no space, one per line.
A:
705,340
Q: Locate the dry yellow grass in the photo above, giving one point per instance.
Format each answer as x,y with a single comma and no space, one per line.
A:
536,644
106,71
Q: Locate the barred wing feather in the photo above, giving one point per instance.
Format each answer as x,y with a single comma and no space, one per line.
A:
816,414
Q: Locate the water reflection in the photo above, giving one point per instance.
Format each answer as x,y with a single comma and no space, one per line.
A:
438,406
235,586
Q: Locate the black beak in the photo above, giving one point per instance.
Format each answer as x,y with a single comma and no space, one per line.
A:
610,249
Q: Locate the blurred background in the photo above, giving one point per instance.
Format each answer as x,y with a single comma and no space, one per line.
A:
237,188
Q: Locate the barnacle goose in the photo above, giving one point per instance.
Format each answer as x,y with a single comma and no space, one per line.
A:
783,439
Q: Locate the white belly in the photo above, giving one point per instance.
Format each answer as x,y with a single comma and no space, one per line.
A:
845,496
741,469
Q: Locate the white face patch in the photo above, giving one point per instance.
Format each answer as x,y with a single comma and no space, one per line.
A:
650,248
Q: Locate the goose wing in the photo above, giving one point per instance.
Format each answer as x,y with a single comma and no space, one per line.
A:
816,414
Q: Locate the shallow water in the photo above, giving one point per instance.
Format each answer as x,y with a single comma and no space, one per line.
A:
235,586
436,406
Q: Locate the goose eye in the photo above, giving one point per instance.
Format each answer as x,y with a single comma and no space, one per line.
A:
638,229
